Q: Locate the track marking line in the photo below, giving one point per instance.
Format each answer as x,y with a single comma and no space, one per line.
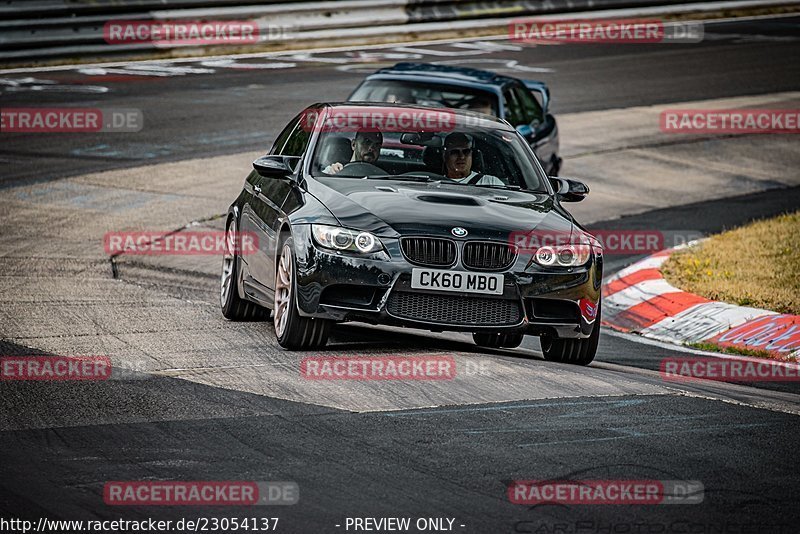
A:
320,50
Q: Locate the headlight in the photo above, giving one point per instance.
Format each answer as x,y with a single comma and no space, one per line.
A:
563,255
338,238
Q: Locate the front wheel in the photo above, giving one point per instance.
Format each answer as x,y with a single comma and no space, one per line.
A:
574,351
497,341
293,331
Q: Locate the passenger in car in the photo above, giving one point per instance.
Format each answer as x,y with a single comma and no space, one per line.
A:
459,149
482,104
366,148
400,95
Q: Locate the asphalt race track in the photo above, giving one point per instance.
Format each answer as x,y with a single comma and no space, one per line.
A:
194,397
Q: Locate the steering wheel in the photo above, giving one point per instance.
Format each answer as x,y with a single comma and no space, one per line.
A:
358,169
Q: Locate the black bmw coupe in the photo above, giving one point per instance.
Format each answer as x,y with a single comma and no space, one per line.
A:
419,217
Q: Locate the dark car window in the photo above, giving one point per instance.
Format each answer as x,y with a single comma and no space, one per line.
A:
297,142
283,136
514,112
531,110
426,94
293,140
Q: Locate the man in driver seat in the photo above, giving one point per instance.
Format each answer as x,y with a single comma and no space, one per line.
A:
458,149
366,148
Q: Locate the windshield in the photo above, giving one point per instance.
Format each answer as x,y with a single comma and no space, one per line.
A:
469,151
426,94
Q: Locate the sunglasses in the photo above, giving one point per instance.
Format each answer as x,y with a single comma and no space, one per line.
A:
459,151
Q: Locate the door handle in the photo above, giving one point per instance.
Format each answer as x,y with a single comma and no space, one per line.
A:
257,189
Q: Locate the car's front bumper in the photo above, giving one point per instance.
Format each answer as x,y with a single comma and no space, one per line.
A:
377,289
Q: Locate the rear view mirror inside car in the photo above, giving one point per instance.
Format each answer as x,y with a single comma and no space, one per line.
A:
421,139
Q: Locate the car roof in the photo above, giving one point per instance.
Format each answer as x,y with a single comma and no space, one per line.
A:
462,115
445,72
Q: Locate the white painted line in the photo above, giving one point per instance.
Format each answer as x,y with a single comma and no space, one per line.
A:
503,64
442,53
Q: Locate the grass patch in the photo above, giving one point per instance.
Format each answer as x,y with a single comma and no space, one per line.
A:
711,347
755,265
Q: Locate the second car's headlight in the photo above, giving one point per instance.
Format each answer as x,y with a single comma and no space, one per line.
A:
338,238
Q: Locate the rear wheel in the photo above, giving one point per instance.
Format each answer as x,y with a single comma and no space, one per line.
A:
294,332
497,341
234,307
575,351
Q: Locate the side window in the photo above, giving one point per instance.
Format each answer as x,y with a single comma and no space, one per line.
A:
514,113
297,142
531,110
283,137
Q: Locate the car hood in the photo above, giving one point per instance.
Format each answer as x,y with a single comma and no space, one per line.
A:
390,208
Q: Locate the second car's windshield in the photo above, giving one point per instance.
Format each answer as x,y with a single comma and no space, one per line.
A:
434,147
426,94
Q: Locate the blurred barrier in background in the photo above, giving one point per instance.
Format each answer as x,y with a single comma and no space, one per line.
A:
35,30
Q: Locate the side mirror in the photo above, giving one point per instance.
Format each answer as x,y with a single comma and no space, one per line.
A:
525,130
568,189
274,166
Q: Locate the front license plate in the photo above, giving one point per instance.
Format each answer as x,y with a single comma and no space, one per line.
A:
462,281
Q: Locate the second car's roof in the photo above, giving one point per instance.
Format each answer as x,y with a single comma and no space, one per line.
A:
447,72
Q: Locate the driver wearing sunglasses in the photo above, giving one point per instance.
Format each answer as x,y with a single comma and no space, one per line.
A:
458,148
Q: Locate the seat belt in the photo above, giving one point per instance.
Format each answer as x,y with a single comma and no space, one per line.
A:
475,179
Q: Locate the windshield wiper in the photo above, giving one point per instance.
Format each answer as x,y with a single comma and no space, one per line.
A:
407,177
494,186
490,186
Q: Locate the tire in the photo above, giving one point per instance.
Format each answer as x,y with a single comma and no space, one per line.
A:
293,331
497,341
234,307
574,351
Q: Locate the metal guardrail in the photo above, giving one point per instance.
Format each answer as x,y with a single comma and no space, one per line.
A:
33,30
